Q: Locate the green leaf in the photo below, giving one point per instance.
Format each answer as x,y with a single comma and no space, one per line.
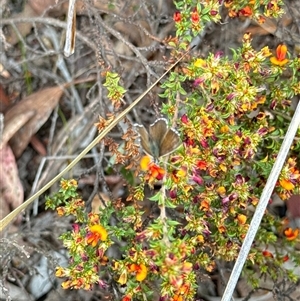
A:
169,203
156,197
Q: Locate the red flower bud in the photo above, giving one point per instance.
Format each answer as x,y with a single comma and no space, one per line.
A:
184,119
177,17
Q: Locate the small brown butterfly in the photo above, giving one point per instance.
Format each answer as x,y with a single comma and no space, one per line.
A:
161,140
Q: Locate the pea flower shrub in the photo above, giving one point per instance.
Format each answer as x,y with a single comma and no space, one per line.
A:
230,125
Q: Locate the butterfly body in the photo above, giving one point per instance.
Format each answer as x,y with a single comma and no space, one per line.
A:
160,140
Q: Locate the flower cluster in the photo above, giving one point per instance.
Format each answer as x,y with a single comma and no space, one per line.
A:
224,164
231,128
289,179
178,274
87,242
252,9
116,91
196,17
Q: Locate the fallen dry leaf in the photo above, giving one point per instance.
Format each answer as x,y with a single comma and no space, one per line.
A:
46,6
11,190
14,124
4,99
38,146
42,104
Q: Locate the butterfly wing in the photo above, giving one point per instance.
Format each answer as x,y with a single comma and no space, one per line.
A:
144,136
161,140
157,132
169,143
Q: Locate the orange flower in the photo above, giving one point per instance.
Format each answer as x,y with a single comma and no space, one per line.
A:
140,270
127,298
195,16
241,219
201,164
153,171
267,253
261,20
232,13
246,11
156,172
181,293
205,206
97,232
291,234
60,272
61,211
66,184
224,129
279,59
281,51
177,298
286,184
221,229
66,284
